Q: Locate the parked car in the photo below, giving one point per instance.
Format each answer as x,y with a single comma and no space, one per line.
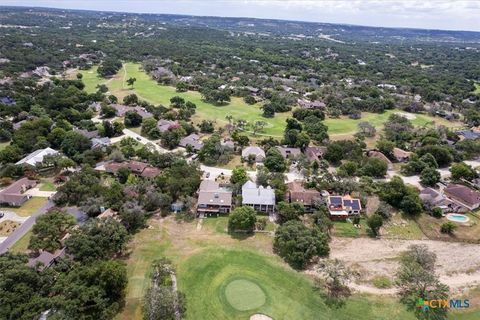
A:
2,214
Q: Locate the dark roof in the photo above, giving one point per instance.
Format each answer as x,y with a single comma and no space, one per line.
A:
463,194
7,101
14,193
298,194
336,200
353,203
469,134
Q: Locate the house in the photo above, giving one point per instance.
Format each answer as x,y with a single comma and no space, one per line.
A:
136,167
306,104
252,90
18,124
401,155
255,152
46,259
165,125
109,213
259,198
121,110
14,195
227,143
37,156
463,195
314,154
100,143
296,193
289,153
340,208
193,141
381,156
212,199
431,198
88,134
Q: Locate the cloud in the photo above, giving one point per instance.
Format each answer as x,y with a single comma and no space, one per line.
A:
439,14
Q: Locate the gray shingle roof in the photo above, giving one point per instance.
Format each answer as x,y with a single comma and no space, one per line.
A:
251,194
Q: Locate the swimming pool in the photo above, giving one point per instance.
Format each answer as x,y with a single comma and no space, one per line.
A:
457,217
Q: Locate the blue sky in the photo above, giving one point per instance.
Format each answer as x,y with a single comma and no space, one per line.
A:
431,14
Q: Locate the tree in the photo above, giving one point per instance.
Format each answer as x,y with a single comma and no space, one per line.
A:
366,129
242,219
347,169
49,230
148,125
334,278
461,170
25,292
385,147
206,126
181,87
315,129
416,281
97,240
133,216
430,177
130,99
289,211
448,227
298,244
93,206
258,126
171,138
374,167
274,161
268,111
74,143
375,222
442,155
132,119
90,291
131,81
239,176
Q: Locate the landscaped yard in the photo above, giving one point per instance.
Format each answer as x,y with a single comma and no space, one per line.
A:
347,229
47,186
3,145
7,227
469,231
21,245
28,208
477,88
401,227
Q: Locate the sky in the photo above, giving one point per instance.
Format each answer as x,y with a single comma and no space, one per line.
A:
427,14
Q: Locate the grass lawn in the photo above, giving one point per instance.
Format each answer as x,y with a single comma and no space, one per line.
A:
28,208
21,245
346,229
3,145
477,88
346,126
400,227
469,231
47,186
149,90
220,275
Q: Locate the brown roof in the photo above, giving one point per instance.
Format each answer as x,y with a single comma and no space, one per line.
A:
14,193
150,172
109,213
46,259
289,152
399,153
218,197
463,194
379,155
298,194
314,153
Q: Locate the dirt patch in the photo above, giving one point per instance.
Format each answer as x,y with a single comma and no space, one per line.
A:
458,264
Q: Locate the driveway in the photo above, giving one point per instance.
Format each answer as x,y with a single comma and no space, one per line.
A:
35,192
23,229
142,140
215,172
12,216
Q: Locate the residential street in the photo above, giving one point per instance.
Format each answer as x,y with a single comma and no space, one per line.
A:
23,229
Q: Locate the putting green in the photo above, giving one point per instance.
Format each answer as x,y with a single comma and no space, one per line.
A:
244,295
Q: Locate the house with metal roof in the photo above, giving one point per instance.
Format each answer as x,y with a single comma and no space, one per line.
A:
342,207
37,156
259,198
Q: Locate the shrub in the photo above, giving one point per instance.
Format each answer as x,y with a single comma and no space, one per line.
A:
448,227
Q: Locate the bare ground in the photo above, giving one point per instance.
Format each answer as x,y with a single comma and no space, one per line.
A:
458,264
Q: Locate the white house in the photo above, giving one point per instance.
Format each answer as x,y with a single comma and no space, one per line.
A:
37,156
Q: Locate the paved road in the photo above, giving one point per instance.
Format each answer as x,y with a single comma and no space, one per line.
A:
23,229
142,140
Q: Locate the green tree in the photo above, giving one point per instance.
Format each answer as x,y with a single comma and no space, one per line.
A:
298,244
448,227
274,161
289,211
430,177
375,222
132,119
49,230
374,167
239,176
97,240
461,170
242,219
131,81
